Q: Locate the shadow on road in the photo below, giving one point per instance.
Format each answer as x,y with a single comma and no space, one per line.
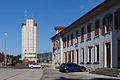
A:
63,78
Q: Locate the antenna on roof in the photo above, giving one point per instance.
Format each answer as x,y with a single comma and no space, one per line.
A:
25,13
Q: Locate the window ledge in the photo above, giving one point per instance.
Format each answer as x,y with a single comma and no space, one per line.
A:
81,41
118,30
107,33
96,63
76,44
96,36
88,39
88,63
82,63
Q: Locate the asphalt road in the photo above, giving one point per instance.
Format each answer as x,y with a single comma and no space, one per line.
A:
20,74
48,73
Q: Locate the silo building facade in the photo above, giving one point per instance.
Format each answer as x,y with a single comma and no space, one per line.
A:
29,40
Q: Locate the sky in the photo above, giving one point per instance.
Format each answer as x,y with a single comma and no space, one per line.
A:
46,13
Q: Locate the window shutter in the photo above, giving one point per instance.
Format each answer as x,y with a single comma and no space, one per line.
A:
73,56
116,20
66,56
69,56
53,45
89,32
65,41
71,39
103,30
59,44
110,17
97,28
82,36
68,41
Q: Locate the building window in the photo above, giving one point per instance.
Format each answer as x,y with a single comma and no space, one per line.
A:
77,56
89,55
76,37
54,45
71,39
64,42
82,35
54,56
69,56
117,20
89,32
68,41
66,57
58,44
97,28
82,55
107,24
72,56
97,54
118,52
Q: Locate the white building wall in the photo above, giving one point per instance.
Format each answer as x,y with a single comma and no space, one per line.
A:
113,37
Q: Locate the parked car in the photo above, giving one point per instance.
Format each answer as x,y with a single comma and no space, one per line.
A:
71,67
34,65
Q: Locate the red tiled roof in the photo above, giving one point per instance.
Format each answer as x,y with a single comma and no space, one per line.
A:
58,27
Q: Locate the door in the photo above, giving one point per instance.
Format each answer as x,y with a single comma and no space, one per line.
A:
77,57
108,55
69,57
118,53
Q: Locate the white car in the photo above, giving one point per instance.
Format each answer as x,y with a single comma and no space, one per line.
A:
34,65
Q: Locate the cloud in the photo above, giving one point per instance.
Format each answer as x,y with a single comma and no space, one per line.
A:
82,6
93,2
90,4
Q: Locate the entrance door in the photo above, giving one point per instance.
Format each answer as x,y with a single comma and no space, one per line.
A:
77,57
108,55
69,57
118,53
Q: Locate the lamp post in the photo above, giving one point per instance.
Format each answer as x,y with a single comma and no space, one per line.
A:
5,34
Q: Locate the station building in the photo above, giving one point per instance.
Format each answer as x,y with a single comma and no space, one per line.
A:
93,40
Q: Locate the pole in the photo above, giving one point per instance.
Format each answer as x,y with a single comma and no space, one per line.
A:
5,34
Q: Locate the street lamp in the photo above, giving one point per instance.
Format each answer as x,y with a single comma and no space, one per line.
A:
5,34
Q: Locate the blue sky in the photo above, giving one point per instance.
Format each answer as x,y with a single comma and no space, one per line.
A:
46,13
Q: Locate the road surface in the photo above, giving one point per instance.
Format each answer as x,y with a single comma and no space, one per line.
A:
20,74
